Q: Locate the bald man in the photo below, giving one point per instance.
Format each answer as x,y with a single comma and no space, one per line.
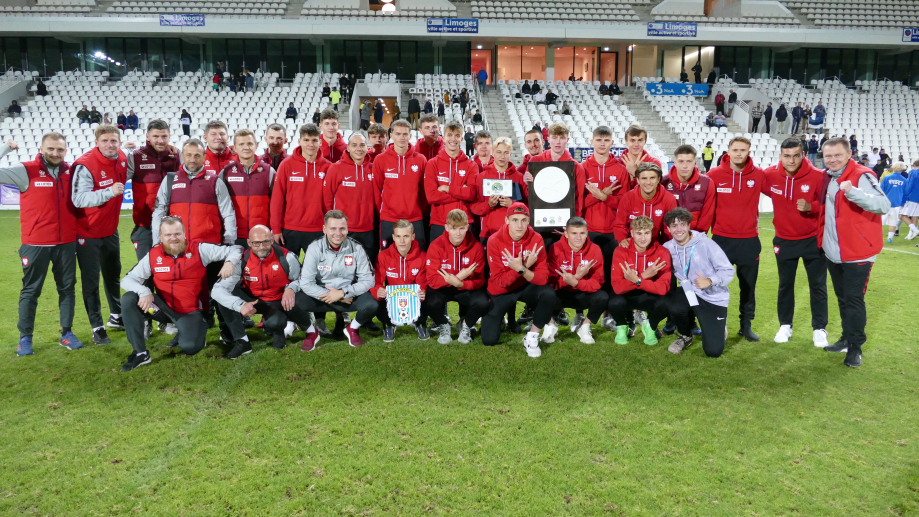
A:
264,282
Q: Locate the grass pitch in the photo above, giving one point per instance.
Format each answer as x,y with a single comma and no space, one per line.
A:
412,428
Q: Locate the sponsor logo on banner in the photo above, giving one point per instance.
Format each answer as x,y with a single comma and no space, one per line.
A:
674,29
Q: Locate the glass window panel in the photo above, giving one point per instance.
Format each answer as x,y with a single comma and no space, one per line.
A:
782,66
814,62
408,60
172,49
564,63
391,59
234,55
132,54
834,63
252,55
72,55
426,57
886,66
351,62
509,63
191,58
35,55
456,57
867,61
370,57
798,65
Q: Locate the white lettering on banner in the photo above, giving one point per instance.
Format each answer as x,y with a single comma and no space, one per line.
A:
723,190
161,269
106,183
236,178
296,178
147,165
178,185
43,184
388,175
348,184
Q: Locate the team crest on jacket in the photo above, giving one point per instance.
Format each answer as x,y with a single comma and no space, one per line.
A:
188,255
658,213
775,249
805,188
135,245
415,271
246,269
462,172
274,267
41,174
321,175
102,174
698,187
81,242
414,168
465,260
750,183
25,261
349,260
124,164
143,157
159,260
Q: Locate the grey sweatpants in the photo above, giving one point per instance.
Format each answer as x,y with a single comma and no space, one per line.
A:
35,261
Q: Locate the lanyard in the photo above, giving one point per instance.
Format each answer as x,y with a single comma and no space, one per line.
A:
686,267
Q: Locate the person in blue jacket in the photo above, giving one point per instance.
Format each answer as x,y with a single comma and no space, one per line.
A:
812,146
910,211
894,187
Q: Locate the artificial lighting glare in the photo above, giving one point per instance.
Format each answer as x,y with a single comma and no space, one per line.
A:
388,8
479,47
605,49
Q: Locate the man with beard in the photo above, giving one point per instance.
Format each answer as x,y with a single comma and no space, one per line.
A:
276,138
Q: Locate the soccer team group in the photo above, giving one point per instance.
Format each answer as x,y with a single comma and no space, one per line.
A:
219,227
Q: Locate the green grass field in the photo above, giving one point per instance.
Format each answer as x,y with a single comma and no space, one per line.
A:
412,428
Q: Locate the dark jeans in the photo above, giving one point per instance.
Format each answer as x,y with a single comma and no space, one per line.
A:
192,327
787,254
274,316
850,282
473,304
755,125
541,297
95,256
365,306
712,321
386,230
795,125
607,243
35,261
768,121
594,303
744,254
622,305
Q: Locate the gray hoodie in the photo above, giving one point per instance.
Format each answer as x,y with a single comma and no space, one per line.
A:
347,269
867,194
707,258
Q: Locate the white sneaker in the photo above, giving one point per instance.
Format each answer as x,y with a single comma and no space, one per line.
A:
586,336
576,322
784,334
639,317
289,329
465,334
531,345
549,332
444,337
679,344
820,338
171,329
608,323
912,234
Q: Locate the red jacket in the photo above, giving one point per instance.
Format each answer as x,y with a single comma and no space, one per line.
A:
442,255
808,184
150,168
394,269
181,281
601,215
250,194
526,160
645,157
215,163
719,99
858,230
634,205
492,218
658,284
47,215
580,177
737,199
696,195
101,221
459,174
265,278
195,201
483,166
338,149
349,188
398,185
296,200
562,257
429,152
274,161
502,279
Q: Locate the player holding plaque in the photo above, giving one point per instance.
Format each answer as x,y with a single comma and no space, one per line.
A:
401,264
499,186
555,197
448,179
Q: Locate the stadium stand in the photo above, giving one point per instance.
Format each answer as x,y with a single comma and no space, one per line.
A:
50,7
569,11
867,14
261,8
434,86
351,10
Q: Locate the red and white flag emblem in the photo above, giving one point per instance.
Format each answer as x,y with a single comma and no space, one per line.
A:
349,260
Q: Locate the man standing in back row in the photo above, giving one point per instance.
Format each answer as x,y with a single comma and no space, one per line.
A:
150,163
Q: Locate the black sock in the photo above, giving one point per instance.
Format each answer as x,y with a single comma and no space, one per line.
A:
65,330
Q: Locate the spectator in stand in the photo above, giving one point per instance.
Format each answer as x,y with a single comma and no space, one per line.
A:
853,143
107,119
441,111
539,98
95,117
697,72
318,114
550,97
768,114
396,111
873,158
684,77
797,113
781,115
233,83
614,89
326,91
185,119
216,82
566,110
812,147
469,137
708,154
15,110
250,82
41,89
291,112
83,115
808,112
482,76
344,85
757,114
720,120
719,102
604,89
732,99
536,88
121,121
820,111
477,118
414,109
711,78
710,120
366,112
335,98
525,89
131,120
378,112
428,106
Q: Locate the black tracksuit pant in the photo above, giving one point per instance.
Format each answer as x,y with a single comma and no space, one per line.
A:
712,320
622,305
35,261
368,241
787,254
142,238
607,243
541,297
192,327
744,255
96,256
297,241
850,282
274,316
594,303
472,304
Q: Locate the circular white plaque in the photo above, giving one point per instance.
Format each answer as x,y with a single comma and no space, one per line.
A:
551,184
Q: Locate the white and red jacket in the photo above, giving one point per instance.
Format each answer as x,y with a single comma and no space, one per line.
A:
737,199
633,205
394,269
601,215
658,284
444,256
503,279
492,217
561,256
398,185
457,173
696,195
808,184
349,188
215,162
296,199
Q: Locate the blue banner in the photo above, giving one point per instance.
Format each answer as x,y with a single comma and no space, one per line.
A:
672,29
454,25
182,20
582,153
911,35
698,90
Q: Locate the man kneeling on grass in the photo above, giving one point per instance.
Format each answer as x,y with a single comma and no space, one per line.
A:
179,272
703,273
264,282
336,277
401,264
641,281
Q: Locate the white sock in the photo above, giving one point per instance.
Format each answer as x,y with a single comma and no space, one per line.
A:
533,335
354,324
97,328
116,316
913,228
890,235
311,329
245,338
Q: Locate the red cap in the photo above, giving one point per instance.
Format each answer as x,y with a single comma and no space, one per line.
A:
518,208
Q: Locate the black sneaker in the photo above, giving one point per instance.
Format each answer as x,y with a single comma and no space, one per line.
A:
115,323
853,357
372,327
841,346
746,331
241,348
561,319
514,326
389,334
526,316
278,341
423,333
632,329
100,336
174,342
226,337
338,332
135,360
248,323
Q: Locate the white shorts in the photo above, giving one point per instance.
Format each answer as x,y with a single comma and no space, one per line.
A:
893,217
910,209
